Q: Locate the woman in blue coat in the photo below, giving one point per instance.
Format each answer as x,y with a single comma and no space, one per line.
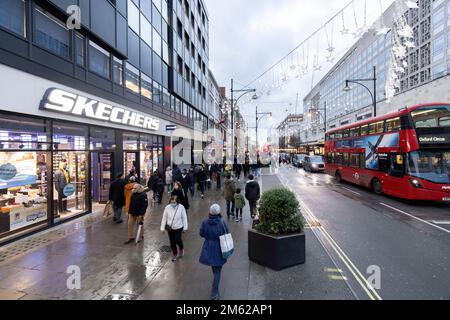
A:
211,229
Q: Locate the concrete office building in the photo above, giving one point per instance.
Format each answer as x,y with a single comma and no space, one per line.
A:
79,105
425,79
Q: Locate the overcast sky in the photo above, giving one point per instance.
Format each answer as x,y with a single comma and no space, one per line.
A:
249,36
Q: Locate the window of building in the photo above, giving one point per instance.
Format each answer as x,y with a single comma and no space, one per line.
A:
157,92
157,43
179,29
438,48
99,60
132,78
165,52
12,16
118,71
51,34
157,4
179,65
146,87
80,44
438,21
187,73
133,16
439,70
146,30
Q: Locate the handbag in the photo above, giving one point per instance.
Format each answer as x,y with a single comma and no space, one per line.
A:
226,244
109,209
169,227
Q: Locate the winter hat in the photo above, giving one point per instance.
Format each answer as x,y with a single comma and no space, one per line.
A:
215,210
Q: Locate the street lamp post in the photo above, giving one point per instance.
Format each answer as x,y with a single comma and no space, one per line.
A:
373,95
233,103
263,114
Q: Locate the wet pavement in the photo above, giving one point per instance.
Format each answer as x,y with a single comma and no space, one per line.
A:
111,270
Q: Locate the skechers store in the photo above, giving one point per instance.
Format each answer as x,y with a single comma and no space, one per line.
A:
61,148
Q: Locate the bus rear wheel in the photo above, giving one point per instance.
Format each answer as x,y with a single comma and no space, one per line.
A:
338,177
377,187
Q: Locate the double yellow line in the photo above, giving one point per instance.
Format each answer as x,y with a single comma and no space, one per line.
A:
312,220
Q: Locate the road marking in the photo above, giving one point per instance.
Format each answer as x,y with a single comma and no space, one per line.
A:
309,215
370,291
334,277
414,217
348,189
441,222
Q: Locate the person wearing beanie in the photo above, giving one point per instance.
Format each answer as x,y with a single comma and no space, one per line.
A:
211,255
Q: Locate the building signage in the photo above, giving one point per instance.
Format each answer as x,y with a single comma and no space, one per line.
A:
69,103
435,139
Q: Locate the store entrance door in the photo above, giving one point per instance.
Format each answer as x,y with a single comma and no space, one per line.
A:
131,164
102,175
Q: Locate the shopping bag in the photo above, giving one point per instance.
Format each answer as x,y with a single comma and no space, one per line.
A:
139,232
109,209
226,245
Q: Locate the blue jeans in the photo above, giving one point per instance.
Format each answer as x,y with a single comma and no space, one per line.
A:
118,213
216,282
230,208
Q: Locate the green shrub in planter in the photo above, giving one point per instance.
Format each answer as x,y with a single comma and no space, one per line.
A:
279,213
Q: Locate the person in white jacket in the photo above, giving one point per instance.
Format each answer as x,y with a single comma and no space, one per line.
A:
175,222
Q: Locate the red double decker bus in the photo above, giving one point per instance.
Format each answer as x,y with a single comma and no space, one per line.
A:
404,154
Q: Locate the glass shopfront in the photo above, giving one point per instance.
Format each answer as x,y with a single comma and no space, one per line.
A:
52,170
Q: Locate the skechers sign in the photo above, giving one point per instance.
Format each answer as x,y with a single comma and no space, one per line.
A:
70,103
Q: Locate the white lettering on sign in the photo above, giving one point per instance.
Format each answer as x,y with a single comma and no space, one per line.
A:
432,139
66,102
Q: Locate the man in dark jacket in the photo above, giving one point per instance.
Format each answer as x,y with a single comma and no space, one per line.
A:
192,177
252,194
117,196
160,189
153,184
185,181
176,174
202,177
138,209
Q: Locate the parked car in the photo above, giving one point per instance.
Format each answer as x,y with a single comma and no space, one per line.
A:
314,164
299,160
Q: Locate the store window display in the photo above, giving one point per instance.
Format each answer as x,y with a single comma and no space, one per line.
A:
70,170
24,167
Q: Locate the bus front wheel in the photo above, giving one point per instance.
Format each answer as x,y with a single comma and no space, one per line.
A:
338,177
377,187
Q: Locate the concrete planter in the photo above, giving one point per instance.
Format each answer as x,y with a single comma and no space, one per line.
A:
276,252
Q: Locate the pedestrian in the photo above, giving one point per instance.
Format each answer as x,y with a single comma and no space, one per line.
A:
176,173
246,168
192,177
175,222
169,179
238,171
160,189
202,178
153,184
211,230
136,214
229,190
117,196
128,192
219,177
252,194
178,191
239,203
185,181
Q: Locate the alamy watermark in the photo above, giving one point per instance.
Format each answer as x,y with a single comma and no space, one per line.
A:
74,20
74,280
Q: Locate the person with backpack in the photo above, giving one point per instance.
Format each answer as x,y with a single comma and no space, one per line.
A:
136,214
239,203
175,222
211,230
252,194
229,190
